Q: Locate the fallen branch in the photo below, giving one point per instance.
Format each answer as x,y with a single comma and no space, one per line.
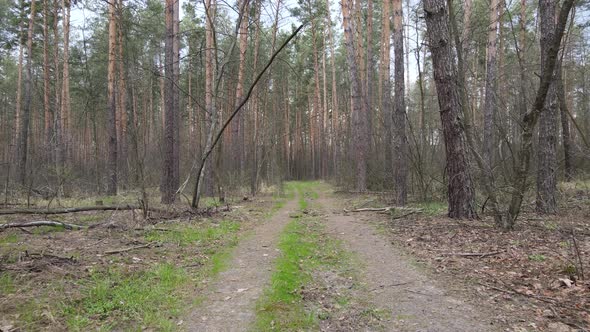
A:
40,223
385,209
117,251
69,210
473,254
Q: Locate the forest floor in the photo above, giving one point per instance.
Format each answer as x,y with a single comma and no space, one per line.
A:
299,261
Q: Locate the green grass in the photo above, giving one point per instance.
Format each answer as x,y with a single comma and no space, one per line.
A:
8,239
432,208
114,298
6,283
304,249
195,233
282,306
155,297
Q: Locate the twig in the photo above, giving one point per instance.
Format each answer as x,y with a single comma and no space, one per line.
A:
117,251
577,249
40,223
387,208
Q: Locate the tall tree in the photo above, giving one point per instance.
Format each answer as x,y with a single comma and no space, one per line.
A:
490,103
400,141
359,116
547,152
460,192
385,86
65,90
169,184
237,135
112,146
23,132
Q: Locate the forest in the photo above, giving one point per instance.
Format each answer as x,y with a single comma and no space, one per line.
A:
316,165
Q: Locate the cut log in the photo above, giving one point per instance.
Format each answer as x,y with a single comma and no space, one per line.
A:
39,223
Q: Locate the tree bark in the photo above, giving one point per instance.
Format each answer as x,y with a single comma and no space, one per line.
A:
23,136
566,137
359,117
46,84
385,87
167,185
547,146
65,91
400,141
530,119
112,102
461,196
490,102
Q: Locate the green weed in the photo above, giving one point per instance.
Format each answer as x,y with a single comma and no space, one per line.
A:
8,239
537,257
186,235
6,283
114,298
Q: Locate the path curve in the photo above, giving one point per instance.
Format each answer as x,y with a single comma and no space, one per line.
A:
415,302
230,302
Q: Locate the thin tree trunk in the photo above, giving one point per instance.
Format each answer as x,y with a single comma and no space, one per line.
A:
167,184
23,137
46,83
65,91
237,135
122,138
385,87
400,141
490,103
565,128
335,109
461,196
112,102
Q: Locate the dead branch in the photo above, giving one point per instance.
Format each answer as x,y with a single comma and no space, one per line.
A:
68,210
80,209
385,209
117,251
40,223
473,254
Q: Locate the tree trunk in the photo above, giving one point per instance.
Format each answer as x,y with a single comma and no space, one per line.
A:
112,102
529,121
122,138
547,152
335,110
461,196
490,102
359,122
565,128
167,185
23,136
400,141
46,83
385,87
237,135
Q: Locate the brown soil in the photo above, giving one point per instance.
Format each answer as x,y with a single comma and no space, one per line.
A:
415,301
